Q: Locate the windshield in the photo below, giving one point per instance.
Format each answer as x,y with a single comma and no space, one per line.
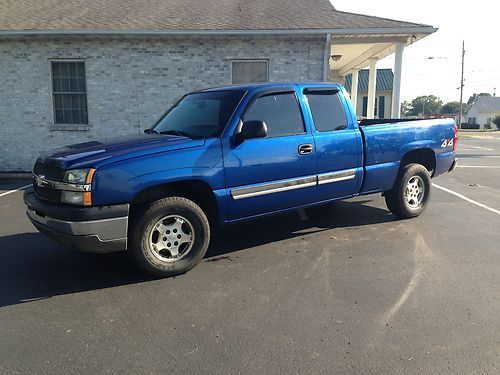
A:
199,115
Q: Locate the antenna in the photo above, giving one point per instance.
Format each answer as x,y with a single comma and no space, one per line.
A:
462,87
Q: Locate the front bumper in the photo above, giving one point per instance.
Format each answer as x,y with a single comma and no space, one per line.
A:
100,229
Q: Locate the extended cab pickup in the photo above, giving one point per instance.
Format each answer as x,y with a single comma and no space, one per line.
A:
229,154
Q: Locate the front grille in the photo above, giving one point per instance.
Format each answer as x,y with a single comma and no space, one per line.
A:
49,172
52,195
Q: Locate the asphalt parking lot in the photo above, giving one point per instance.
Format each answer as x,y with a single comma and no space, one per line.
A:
344,288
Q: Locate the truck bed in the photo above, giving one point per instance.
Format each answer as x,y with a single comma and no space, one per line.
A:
387,141
368,122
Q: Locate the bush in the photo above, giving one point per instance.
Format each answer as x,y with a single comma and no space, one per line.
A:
496,121
466,125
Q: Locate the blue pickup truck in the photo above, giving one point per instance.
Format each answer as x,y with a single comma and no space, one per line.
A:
228,154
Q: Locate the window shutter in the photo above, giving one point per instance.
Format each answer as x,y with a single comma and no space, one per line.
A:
365,106
381,107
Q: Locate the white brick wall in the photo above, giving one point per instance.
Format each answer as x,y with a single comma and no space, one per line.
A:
130,82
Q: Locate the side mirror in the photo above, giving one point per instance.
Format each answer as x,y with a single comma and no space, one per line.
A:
251,129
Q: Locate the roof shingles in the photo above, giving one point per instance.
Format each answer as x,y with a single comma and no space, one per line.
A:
183,15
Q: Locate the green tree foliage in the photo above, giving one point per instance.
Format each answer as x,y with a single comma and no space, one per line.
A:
406,109
426,104
451,108
496,121
474,96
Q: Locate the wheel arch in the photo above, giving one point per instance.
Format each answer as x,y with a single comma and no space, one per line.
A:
423,156
198,191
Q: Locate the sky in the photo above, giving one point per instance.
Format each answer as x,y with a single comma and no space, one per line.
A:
477,23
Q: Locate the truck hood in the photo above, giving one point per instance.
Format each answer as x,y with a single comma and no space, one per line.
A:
101,152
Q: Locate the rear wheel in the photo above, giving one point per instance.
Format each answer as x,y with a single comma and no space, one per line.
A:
170,237
411,192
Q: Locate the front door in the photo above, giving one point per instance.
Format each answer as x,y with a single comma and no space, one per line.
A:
276,172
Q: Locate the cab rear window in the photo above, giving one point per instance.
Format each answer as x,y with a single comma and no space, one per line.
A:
327,111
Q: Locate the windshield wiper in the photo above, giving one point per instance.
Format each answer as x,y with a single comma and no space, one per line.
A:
150,131
176,132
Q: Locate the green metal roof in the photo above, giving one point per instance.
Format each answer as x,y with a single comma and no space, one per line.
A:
385,79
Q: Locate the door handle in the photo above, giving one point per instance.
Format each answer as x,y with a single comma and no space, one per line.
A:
305,149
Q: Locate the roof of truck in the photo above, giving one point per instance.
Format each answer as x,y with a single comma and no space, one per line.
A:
270,85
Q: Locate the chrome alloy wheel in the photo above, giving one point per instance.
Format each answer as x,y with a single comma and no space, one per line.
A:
171,238
415,191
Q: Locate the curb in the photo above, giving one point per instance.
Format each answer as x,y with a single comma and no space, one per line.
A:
14,175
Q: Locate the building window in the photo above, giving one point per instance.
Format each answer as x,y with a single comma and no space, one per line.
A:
244,71
69,92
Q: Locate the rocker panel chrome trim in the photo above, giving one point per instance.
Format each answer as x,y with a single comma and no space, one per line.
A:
273,187
327,178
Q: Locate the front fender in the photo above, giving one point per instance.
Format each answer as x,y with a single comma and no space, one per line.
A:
119,182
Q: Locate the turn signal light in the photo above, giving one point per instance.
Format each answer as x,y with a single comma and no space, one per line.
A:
455,138
87,196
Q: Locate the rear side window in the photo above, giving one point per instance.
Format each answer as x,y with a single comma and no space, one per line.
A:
280,112
327,111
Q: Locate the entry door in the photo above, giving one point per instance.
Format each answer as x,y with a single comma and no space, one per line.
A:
276,172
339,146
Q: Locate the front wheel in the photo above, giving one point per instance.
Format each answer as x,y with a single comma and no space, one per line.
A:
170,237
411,192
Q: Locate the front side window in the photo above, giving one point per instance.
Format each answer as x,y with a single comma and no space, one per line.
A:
327,111
69,92
245,71
200,115
280,112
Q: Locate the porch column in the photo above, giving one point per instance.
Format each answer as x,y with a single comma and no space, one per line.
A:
354,88
372,88
396,88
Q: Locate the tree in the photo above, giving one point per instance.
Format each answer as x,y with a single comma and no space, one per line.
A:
451,108
406,109
475,96
426,104
496,121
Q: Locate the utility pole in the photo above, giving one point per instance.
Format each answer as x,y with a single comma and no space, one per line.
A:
462,87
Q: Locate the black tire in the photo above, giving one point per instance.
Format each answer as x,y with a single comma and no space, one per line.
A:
145,254
396,200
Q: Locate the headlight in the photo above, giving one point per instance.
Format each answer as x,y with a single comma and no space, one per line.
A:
79,192
76,176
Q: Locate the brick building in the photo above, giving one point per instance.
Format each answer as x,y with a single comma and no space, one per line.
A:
75,71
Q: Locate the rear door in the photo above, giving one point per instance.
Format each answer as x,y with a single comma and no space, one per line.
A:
339,146
278,171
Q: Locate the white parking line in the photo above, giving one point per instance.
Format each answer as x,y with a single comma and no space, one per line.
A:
467,199
480,148
478,166
13,191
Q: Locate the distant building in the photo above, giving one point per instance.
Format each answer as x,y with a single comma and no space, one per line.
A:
383,95
483,111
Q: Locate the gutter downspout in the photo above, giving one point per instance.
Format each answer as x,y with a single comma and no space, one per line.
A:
326,57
